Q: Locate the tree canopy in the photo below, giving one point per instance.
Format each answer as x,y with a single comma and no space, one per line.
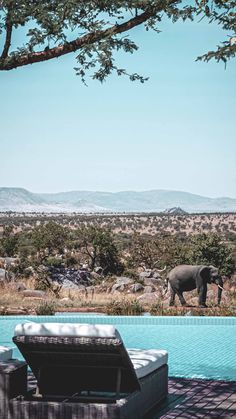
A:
96,29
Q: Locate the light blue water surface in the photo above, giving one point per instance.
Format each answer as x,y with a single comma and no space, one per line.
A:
198,347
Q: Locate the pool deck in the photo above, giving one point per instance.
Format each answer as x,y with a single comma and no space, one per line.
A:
196,398
193,398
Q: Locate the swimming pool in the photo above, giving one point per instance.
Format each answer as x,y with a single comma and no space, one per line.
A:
199,347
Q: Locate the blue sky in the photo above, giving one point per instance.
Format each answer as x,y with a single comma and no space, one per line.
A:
177,131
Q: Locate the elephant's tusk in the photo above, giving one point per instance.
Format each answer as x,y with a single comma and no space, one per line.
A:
161,270
221,288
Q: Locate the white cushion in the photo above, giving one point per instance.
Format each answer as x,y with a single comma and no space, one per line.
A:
67,329
146,361
5,353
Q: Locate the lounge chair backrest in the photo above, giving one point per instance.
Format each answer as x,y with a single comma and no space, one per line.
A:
69,358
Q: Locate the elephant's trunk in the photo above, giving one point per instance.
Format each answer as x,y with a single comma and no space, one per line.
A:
220,289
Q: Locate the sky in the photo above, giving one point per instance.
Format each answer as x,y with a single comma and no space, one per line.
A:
176,131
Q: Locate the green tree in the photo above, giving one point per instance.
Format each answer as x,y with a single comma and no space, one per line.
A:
156,251
9,242
209,249
99,247
52,29
49,238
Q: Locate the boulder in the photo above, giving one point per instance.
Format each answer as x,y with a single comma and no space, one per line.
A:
34,293
153,281
123,280
137,287
145,274
148,298
18,286
148,289
3,274
121,284
33,299
117,287
14,311
156,275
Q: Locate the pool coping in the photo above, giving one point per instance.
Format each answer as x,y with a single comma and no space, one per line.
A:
147,320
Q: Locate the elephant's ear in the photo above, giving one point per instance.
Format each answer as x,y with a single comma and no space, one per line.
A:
205,273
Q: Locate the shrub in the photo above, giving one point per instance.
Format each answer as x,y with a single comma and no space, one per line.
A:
55,262
124,308
46,308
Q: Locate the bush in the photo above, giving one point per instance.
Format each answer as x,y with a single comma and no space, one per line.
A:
124,308
46,308
55,262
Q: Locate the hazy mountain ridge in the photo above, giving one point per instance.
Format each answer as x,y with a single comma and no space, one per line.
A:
21,200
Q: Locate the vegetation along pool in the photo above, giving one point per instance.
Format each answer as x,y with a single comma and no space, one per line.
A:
203,347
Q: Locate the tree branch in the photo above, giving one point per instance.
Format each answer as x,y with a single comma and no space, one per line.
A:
8,36
11,62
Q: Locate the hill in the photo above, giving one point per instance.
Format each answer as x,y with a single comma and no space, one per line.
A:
21,200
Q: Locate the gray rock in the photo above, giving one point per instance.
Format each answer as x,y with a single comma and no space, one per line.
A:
152,281
34,293
67,284
148,298
145,274
8,261
137,287
115,287
148,289
18,286
123,280
3,274
156,275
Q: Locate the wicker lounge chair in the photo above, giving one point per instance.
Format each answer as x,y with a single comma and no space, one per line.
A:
84,371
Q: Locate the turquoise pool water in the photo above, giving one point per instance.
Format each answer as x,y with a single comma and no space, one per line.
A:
200,347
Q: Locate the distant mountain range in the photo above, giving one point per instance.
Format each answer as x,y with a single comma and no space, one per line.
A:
21,200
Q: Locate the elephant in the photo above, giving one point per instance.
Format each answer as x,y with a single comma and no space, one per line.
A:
188,277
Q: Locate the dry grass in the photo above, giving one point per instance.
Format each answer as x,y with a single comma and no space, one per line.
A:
13,302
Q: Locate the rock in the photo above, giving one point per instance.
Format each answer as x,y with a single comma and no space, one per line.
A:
145,274
115,287
148,289
153,281
8,261
137,287
67,284
3,274
15,311
156,275
148,298
123,280
34,293
121,284
18,286
34,299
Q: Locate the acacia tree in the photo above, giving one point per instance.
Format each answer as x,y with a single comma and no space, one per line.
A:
95,29
99,247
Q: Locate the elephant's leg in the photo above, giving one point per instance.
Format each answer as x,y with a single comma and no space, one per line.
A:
202,295
181,297
172,296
